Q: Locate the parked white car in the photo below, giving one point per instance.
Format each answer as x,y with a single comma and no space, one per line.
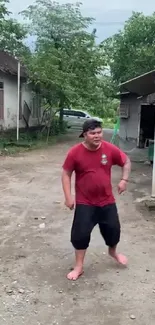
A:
76,118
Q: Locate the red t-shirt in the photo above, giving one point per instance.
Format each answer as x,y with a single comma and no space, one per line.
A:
93,172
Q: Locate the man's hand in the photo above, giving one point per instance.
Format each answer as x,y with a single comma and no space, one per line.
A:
70,203
122,186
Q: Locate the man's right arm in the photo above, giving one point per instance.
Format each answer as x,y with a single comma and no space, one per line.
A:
68,168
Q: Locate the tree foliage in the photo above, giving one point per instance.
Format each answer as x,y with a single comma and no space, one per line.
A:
106,104
12,33
130,52
66,62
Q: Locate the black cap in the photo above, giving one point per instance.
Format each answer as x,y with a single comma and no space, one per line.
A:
90,124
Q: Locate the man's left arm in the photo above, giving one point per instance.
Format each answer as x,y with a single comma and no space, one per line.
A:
122,160
126,169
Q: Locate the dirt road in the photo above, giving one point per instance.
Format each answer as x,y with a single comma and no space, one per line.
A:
35,251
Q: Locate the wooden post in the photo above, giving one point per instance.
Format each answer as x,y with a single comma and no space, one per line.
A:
18,104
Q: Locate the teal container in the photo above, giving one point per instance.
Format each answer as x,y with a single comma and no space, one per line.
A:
151,151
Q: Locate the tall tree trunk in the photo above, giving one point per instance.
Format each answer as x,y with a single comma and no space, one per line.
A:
61,106
49,125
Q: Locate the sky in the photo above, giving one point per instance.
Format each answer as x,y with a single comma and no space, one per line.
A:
110,15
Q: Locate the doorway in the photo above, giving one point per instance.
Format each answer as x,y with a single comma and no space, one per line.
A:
147,124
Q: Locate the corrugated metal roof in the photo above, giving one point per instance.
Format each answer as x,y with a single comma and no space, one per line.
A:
142,85
9,65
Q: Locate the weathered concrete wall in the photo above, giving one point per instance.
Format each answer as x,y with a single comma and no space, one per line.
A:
11,102
129,126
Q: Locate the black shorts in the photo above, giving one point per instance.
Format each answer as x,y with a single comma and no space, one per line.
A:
87,217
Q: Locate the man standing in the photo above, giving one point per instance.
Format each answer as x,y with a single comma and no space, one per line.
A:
94,202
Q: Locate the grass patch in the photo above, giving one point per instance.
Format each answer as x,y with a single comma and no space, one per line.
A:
28,140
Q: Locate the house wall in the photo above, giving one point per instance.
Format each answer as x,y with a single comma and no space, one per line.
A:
11,102
129,127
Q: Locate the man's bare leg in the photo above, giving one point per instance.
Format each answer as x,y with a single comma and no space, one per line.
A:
118,257
78,269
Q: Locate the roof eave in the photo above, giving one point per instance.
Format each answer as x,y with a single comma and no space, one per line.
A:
142,85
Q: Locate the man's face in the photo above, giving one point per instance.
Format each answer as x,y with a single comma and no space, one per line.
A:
94,137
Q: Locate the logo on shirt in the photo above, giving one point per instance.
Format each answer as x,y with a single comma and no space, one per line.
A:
104,159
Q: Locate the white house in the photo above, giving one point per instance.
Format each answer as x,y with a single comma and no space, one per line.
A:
30,106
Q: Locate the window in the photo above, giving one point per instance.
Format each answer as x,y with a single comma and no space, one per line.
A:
20,103
1,85
74,113
1,100
36,106
68,112
79,114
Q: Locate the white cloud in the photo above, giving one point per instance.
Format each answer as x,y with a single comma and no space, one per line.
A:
108,14
104,5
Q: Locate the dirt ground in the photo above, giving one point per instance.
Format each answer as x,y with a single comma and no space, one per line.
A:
36,254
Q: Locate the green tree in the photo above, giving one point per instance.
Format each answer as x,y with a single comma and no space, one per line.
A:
66,62
12,33
130,52
106,104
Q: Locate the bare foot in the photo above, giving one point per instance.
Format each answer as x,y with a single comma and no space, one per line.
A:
121,259
75,274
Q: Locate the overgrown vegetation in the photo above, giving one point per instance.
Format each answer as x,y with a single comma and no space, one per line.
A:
33,138
12,33
130,52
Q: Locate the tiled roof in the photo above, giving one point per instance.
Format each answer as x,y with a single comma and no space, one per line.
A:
9,65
